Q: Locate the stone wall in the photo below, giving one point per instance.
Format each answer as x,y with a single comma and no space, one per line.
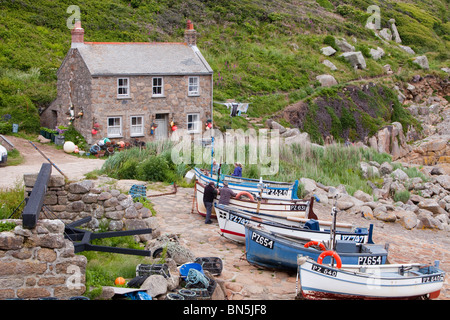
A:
110,209
39,263
74,88
175,103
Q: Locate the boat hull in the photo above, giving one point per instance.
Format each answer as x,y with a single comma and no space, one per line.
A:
293,208
271,189
274,251
232,226
319,281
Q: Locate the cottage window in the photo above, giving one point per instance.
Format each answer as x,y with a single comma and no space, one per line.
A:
158,90
114,127
137,126
193,86
123,87
193,123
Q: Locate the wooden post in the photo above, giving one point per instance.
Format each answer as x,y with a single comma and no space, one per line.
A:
31,212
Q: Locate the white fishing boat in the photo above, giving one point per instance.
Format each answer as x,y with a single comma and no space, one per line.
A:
232,222
263,188
244,201
388,281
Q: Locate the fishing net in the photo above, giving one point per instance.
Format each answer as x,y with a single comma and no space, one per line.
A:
168,246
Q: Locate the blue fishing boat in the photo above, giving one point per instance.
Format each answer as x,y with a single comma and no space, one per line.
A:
275,251
232,223
257,188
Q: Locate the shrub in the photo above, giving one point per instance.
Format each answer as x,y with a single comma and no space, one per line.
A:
402,196
128,170
154,168
71,134
329,40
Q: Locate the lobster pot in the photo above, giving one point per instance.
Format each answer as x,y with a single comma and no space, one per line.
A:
201,293
151,269
212,264
187,294
174,296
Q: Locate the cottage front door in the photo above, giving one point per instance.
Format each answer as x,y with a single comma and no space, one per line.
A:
161,131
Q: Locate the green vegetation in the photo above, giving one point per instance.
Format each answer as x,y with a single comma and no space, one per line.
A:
265,53
333,165
10,199
103,267
14,158
402,196
7,226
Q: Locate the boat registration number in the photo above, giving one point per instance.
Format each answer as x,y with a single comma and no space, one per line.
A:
237,219
298,207
328,272
370,260
277,192
354,238
265,242
435,278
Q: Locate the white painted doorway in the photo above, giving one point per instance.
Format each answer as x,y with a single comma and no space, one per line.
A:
161,132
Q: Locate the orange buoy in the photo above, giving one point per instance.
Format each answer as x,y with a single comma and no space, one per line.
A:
120,281
333,254
315,243
245,193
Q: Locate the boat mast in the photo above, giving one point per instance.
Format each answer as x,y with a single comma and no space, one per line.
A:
333,228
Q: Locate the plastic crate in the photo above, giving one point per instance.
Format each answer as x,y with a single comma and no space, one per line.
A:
138,191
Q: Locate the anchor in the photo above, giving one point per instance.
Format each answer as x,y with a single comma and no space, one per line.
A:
81,238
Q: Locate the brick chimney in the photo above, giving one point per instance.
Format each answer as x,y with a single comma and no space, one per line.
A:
77,34
190,35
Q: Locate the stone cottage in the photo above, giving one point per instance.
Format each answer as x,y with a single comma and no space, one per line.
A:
132,90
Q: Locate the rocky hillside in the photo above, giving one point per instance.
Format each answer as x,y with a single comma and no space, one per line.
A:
263,52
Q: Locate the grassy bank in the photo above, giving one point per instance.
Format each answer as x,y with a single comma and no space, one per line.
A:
331,166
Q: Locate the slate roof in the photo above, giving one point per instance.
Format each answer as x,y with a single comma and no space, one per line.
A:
143,58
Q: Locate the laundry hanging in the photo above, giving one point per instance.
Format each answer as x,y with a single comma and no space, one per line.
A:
236,107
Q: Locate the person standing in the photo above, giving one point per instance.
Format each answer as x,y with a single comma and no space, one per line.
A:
225,194
215,167
237,170
209,195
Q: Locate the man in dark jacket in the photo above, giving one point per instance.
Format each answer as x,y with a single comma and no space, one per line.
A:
209,195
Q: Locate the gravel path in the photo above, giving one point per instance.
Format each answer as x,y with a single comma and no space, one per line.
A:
73,167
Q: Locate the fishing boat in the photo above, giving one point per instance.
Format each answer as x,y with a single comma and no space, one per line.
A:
232,223
281,207
390,281
257,188
275,251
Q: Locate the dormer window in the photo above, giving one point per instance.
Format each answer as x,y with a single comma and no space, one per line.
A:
123,88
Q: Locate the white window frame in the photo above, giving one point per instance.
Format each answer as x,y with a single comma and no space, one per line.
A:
135,126
122,86
114,127
160,86
195,123
191,86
